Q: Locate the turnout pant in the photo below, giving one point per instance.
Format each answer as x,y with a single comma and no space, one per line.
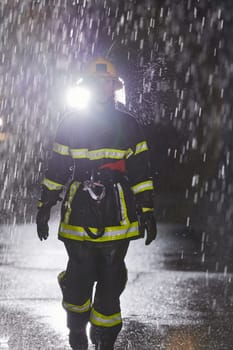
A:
83,299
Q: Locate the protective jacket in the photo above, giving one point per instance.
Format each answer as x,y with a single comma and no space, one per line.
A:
102,160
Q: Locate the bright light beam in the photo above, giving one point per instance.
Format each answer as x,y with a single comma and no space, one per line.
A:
120,95
78,97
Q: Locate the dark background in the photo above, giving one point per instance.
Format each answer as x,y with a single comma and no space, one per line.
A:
176,60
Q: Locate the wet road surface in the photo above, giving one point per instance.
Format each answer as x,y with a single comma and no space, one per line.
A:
178,295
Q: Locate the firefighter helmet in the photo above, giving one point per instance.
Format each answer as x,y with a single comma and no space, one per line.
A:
101,67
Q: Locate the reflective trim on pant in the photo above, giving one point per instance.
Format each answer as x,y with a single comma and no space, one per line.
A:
77,308
99,319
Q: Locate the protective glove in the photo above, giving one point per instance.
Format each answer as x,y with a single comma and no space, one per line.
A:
42,220
48,199
148,226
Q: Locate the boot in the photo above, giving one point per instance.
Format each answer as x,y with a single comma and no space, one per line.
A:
102,341
77,324
104,337
78,339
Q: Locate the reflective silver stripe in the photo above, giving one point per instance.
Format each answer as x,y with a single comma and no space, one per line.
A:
129,153
98,154
105,321
111,233
52,185
61,149
142,186
141,147
124,215
77,308
106,153
79,153
73,189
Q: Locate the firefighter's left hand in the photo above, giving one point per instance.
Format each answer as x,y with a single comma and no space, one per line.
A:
42,220
148,226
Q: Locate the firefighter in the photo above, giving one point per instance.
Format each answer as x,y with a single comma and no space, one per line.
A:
100,155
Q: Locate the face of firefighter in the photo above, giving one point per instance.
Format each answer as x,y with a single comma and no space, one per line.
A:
103,89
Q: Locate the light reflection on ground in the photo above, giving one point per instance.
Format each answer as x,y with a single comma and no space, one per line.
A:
162,308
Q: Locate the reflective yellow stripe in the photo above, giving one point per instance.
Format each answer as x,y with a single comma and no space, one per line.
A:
142,186
40,204
60,276
141,147
52,185
111,232
73,189
124,215
98,154
99,319
129,153
79,153
77,308
106,153
145,210
61,149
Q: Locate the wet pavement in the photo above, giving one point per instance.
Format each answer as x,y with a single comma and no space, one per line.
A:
179,296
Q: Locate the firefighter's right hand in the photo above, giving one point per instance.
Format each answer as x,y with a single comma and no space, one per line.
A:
42,220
